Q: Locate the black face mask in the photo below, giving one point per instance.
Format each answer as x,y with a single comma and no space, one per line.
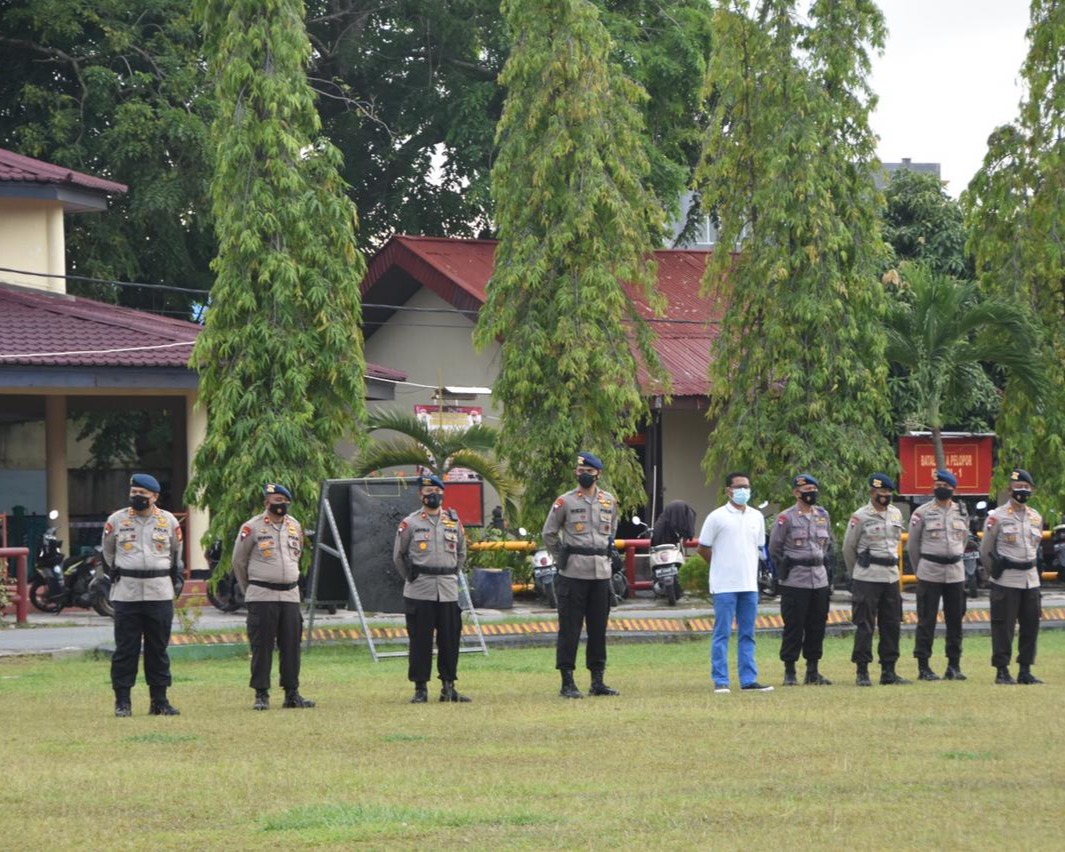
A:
1021,496
139,502
883,499
586,480
944,493
432,501
279,509
809,497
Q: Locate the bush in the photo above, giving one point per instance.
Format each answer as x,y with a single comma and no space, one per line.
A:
695,575
516,560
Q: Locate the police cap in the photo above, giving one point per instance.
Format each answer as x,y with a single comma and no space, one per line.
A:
804,479
430,481
944,475
881,480
274,488
1019,475
146,481
589,460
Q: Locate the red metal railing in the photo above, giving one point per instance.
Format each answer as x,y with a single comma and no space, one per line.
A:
21,599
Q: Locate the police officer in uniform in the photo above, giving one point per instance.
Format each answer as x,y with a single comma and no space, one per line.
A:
579,532
430,551
871,555
142,548
797,546
1012,537
266,565
938,532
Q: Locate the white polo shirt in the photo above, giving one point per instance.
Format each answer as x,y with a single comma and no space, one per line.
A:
734,536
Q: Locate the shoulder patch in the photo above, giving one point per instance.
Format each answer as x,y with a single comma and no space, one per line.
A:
245,531
402,525
109,528
180,534
855,520
559,502
915,519
991,520
782,518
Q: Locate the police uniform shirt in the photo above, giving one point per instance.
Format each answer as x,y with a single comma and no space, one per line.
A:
268,552
586,521
433,540
151,542
880,534
938,532
803,536
1014,534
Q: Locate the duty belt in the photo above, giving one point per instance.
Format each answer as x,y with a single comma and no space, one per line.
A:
941,560
1016,566
809,561
883,560
438,572
139,574
277,587
587,551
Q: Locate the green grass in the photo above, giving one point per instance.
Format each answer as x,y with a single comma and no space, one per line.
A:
668,765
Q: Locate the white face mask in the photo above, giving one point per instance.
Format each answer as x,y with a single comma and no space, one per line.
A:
740,496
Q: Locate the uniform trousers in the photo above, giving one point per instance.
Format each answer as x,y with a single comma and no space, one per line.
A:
424,618
135,621
275,624
928,597
876,605
805,614
587,603
1008,606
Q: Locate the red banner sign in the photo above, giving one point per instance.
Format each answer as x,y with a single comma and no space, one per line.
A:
968,458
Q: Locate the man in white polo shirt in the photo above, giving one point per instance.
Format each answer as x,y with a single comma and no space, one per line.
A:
729,541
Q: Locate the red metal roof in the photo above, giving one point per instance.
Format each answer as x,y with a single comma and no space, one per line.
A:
15,167
459,271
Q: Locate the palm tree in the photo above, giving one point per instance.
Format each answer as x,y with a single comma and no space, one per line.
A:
944,334
438,450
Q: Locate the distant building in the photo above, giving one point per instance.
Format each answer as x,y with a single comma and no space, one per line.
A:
888,170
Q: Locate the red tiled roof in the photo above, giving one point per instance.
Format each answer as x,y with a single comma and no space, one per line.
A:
15,167
458,271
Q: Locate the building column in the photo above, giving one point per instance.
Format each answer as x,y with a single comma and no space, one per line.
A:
57,262
199,519
55,461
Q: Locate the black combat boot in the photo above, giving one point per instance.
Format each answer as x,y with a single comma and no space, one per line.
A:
569,685
1025,676
160,706
449,693
789,675
123,706
924,672
262,700
598,687
953,671
863,675
888,676
421,692
1004,678
293,699
814,677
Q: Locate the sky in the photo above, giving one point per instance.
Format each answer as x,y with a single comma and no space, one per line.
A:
949,75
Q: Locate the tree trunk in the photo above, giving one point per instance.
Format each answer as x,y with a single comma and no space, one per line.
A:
937,442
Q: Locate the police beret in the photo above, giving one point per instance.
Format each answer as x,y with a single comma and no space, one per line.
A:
1019,475
589,460
274,488
804,479
881,480
145,480
430,481
944,475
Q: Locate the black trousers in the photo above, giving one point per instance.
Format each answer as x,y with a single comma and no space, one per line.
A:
424,618
275,624
805,614
876,605
928,596
587,603
1008,607
135,621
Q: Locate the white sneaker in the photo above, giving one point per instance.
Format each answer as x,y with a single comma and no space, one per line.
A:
721,690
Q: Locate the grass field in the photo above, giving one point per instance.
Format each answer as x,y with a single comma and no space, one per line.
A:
668,765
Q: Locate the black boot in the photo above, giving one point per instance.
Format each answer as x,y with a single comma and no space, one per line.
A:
888,677
1025,676
789,675
123,706
449,693
421,693
598,687
814,677
569,685
863,675
160,706
953,671
293,699
1003,677
924,672
262,700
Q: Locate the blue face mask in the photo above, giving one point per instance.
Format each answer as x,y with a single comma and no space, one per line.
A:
740,496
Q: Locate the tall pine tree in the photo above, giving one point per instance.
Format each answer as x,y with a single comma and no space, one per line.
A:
1015,207
280,360
576,220
798,379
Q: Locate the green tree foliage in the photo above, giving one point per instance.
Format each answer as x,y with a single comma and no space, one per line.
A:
1015,207
943,336
439,450
576,220
280,360
922,223
798,379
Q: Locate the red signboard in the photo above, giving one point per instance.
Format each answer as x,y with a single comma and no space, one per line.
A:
968,458
466,498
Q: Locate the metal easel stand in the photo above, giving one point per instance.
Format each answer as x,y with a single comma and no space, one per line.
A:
464,587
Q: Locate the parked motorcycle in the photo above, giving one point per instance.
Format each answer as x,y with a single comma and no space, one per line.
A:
544,573
59,582
971,559
225,594
674,526
1057,541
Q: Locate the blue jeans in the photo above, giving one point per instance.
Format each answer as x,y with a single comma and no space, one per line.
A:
743,607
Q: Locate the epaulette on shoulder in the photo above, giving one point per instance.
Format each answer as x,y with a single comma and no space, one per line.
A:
453,514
